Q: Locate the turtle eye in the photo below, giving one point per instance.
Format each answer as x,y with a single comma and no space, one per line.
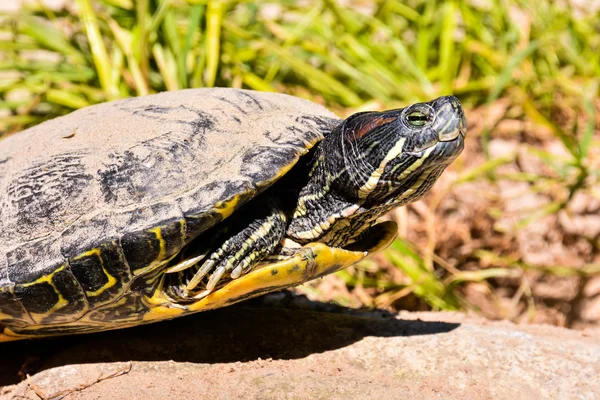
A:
417,118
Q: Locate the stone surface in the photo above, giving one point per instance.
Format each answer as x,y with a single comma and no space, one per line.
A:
307,351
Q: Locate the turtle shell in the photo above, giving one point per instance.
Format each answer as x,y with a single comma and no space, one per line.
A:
93,205
129,183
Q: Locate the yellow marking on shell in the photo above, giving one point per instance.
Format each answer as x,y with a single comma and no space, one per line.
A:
120,302
111,280
286,168
24,317
160,259
60,303
312,261
226,208
183,227
162,247
8,336
8,316
45,278
371,183
93,252
153,266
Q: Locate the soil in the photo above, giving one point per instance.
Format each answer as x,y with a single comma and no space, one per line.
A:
307,350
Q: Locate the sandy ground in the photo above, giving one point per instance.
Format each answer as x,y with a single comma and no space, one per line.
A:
308,350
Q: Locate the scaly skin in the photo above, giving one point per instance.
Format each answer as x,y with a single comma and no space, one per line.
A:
371,163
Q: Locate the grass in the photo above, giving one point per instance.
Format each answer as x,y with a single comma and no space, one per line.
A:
540,59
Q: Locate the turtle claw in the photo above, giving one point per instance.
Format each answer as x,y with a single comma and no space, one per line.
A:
250,242
215,278
190,262
197,278
217,274
237,272
212,282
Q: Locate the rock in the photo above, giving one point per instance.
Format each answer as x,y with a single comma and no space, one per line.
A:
308,351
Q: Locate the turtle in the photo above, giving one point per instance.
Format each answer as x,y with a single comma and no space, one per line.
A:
153,207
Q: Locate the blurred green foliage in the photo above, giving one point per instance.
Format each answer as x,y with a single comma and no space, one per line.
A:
542,56
391,51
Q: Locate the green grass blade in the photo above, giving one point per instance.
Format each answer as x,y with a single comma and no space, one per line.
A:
447,53
166,66
193,25
99,54
124,40
315,77
256,83
590,128
50,38
66,98
507,73
214,19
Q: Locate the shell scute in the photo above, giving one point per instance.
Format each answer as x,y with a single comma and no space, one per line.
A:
38,191
12,310
72,302
33,260
52,298
38,298
85,193
148,248
88,233
102,272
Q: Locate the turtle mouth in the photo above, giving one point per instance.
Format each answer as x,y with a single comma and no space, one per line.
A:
459,130
453,140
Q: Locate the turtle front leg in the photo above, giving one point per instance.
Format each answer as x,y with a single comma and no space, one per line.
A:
251,236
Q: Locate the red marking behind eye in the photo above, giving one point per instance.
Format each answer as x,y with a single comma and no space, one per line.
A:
372,124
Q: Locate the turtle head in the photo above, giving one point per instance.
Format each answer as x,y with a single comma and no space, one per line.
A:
395,156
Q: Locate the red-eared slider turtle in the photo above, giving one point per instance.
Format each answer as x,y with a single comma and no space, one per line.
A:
153,207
